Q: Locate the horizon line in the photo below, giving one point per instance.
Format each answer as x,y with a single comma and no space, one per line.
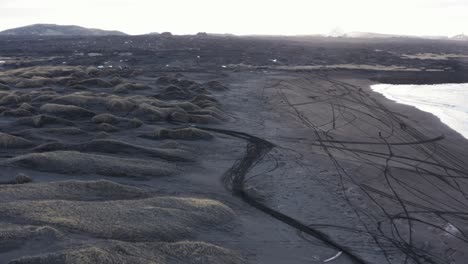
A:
390,35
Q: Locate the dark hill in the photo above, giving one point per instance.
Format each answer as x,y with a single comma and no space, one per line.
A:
58,30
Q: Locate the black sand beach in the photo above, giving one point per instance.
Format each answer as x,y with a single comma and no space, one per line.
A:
221,149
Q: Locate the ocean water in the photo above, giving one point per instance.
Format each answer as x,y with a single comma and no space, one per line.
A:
449,102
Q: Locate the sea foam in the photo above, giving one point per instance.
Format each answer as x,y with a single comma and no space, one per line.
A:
449,102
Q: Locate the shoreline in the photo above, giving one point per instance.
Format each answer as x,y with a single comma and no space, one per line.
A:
297,116
422,100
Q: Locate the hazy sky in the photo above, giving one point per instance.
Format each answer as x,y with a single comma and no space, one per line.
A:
291,17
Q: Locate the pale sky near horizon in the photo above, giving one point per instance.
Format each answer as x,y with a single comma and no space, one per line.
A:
292,17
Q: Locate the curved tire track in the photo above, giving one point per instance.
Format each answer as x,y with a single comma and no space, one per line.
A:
234,178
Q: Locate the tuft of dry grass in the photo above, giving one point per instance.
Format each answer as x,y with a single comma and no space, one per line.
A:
116,146
10,99
106,118
149,219
27,107
40,76
71,190
139,253
4,87
203,119
107,128
35,82
42,71
132,123
129,87
81,99
94,82
22,178
66,111
151,113
42,120
8,141
79,87
51,132
212,111
164,80
186,106
174,93
117,121
13,236
119,104
16,113
180,117
73,162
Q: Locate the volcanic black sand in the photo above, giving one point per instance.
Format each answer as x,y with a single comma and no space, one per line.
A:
222,149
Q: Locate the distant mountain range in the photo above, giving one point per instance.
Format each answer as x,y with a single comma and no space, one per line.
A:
383,36
58,30
61,30
370,35
460,37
